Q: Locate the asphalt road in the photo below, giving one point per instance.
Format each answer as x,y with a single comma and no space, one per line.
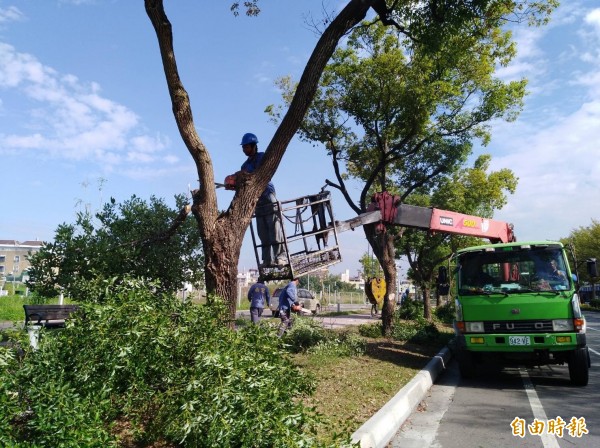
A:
332,321
459,413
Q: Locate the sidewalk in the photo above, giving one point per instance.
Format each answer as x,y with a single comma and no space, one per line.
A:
379,430
6,324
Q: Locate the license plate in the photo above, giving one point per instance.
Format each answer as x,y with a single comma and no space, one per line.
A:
519,340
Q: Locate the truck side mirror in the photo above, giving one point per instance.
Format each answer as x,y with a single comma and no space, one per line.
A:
592,269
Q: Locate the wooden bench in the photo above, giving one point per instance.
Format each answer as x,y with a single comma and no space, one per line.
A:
50,316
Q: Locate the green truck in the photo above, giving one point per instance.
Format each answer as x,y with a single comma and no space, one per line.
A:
516,304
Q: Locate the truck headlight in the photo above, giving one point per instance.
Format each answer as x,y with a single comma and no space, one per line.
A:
474,327
562,325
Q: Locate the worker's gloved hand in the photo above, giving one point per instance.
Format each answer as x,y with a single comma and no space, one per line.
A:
296,306
230,182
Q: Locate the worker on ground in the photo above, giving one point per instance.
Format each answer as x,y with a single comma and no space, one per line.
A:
288,302
268,224
258,295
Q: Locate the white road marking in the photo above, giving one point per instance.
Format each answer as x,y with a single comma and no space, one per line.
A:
548,440
593,351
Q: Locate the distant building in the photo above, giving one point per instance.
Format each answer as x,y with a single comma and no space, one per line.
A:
358,281
14,258
247,278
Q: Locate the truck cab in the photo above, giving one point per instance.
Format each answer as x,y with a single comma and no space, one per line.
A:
516,304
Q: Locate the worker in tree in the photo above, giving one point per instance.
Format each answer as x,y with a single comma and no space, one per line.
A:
268,224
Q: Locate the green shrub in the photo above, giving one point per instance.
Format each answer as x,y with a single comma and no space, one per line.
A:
595,303
419,330
404,330
308,335
370,330
340,344
174,373
410,310
446,313
305,333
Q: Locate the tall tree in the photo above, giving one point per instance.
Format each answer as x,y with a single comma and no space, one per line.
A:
585,244
394,114
428,23
472,191
120,240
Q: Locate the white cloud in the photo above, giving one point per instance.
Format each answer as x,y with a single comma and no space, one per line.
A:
69,119
10,14
593,18
156,173
559,174
552,147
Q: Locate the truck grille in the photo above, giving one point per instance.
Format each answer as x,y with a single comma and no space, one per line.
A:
520,326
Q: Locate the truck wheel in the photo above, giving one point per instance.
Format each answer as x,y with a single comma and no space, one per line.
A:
466,364
275,313
579,367
317,309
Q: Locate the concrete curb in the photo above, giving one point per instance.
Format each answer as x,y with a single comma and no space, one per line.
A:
379,429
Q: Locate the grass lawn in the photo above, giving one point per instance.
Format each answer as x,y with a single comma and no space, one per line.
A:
350,390
11,308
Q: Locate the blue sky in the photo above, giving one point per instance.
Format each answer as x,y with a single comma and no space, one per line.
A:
85,113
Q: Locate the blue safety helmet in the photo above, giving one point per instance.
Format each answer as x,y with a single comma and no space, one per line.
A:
249,138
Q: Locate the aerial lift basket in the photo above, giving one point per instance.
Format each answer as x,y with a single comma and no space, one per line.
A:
310,237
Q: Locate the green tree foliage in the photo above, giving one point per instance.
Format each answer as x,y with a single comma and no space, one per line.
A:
251,6
370,265
585,242
395,111
147,369
472,191
329,283
121,240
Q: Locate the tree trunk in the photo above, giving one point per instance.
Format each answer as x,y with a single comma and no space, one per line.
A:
383,248
426,302
221,255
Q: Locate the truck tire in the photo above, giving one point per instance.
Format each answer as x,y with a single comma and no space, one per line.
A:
466,364
579,367
317,309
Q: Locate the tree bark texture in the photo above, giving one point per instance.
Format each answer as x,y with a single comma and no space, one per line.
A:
426,303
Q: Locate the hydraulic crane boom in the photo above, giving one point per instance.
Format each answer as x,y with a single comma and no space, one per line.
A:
385,209
437,220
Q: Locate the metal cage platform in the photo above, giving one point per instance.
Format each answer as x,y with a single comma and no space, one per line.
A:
310,237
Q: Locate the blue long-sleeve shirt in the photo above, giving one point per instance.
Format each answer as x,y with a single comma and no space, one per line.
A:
288,296
258,294
250,165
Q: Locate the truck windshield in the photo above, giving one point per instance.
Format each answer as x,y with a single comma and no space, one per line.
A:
513,269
